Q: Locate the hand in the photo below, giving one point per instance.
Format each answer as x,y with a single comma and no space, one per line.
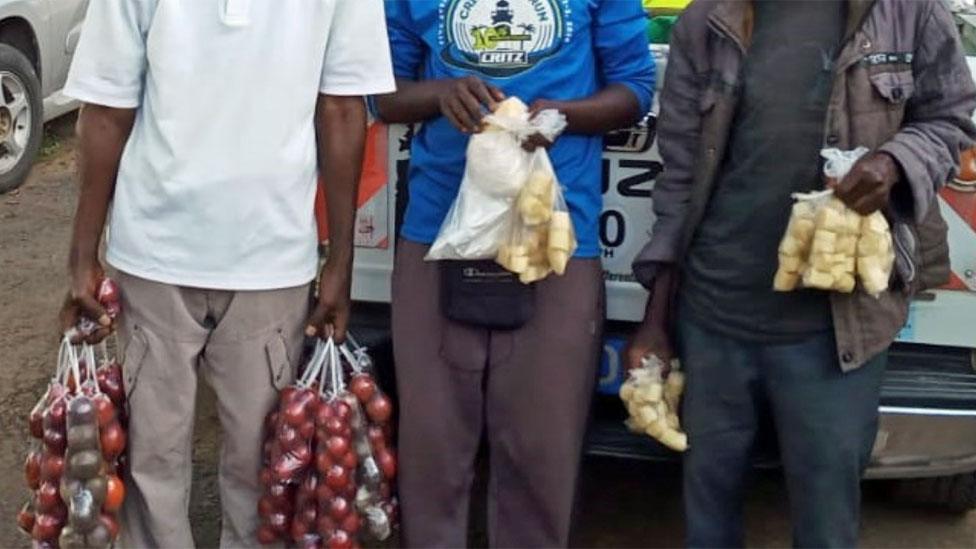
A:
331,315
81,304
536,141
533,142
465,101
651,338
867,187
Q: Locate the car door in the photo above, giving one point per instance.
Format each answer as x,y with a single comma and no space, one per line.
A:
64,29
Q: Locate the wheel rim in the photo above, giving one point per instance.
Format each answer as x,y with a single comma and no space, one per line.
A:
15,120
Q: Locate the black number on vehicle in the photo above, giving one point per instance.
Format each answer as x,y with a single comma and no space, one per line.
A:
612,220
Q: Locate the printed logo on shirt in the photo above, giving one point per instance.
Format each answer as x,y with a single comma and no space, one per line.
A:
502,38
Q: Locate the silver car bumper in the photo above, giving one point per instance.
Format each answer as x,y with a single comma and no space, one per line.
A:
924,442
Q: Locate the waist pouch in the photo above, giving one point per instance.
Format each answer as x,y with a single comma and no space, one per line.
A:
483,294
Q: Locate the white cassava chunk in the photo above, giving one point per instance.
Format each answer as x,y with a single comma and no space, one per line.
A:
561,220
831,220
648,415
802,229
785,281
533,210
791,246
674,440
626,391
540,184
790,263
558,260
824,241
845,283
818,279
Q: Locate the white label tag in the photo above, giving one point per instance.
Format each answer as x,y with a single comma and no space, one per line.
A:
236,13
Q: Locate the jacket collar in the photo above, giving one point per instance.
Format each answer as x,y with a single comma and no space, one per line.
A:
735,18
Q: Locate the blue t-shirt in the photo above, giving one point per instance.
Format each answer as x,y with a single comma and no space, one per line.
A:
531,49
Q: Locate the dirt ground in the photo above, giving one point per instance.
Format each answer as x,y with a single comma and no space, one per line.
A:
623,504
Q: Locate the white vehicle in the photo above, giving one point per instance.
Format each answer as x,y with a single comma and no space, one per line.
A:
928,413
37,41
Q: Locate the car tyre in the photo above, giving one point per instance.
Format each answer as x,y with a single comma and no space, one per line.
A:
21,117
956,493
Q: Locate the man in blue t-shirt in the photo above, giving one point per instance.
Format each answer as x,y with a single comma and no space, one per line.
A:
528,387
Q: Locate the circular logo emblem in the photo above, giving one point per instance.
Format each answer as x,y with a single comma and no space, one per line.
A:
501,38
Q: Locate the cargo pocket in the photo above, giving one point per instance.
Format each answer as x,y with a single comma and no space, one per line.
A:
278,363
906,254
894,87
133,359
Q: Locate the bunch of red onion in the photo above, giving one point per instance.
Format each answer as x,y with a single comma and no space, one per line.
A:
74,467
329,462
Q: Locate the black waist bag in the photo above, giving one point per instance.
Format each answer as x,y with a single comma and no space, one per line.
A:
484,294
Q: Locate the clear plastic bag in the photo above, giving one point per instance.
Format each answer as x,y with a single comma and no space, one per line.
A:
828,246
653,399
540,238
496,169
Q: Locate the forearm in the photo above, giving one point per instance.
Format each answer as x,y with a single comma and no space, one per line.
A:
658,310
102,135
611,108
341,131
413,101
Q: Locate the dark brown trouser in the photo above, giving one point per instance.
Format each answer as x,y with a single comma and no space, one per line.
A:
530,388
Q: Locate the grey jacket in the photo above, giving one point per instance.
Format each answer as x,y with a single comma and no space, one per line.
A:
901,86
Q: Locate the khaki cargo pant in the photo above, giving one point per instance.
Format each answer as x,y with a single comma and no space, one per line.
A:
529,391
246,344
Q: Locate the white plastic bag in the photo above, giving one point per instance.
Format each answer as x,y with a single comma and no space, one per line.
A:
496,169
828,246
653,399
541,237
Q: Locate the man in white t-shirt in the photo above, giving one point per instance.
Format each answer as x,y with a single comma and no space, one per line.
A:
205,126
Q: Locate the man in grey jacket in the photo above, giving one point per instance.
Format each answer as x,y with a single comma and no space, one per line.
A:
754,90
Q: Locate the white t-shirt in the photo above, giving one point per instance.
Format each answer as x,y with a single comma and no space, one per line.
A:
217,183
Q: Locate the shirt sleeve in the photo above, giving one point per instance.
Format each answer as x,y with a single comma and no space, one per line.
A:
622,48
109,64
407,46
357,55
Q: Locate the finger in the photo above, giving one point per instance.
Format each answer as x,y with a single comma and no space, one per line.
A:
74,335
97,336
482,93
91,308
472,108
497,93
635,357
340,326
465,123
851,188
68,316
869,203
317,320
453,119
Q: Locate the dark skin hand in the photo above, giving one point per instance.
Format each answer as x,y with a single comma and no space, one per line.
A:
653,336
609,109
340,125
464,102
102,135
867,187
